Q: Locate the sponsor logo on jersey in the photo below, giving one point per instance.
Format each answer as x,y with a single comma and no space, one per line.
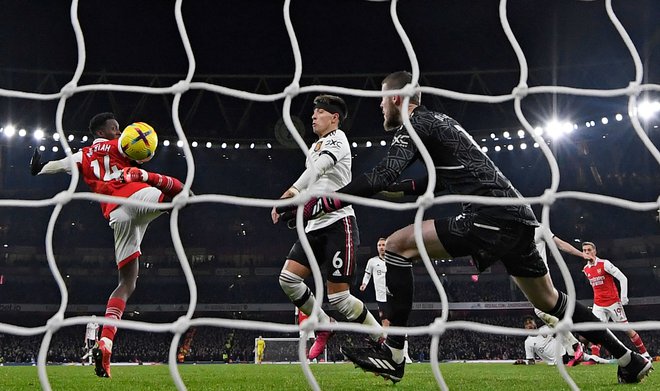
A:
401,139
337,273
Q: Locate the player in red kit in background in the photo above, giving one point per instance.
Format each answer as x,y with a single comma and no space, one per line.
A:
106,170
607,303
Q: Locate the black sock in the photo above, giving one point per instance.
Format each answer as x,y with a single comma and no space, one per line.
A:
399,280
582,314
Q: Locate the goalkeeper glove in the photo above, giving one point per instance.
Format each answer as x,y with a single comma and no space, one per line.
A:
314,208
35,163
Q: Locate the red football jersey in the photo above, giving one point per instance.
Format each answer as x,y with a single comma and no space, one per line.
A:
101,164
602,282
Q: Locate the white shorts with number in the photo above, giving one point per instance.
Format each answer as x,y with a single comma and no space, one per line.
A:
614,312
130,223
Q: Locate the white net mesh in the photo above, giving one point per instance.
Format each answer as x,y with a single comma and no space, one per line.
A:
518,93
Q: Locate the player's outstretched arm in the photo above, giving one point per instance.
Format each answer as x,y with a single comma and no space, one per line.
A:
568,248
35,163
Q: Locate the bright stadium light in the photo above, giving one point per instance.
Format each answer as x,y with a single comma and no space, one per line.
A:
71,137
223,145
166,143
556,128
194,144
209,144
42,148
368,144
179,143
492,135
647,109
84,139
383,143
10,131
498,148
536,145
509,147
55,149
22,132
604,120
506,134
237,145
618,117
587,124
252,146
269,146
523,146
484,149
38,134
354,144
56,136
521,133
538,130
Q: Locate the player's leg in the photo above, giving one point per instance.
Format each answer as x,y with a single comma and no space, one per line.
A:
568,340
618,315
603,315
400,251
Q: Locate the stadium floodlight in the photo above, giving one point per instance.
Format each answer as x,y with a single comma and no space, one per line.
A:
647,109
383,143
498,148
38,134
22,132
604,120
237,145
209,144
538,130
354,144
55,148
84,139
484,149
492,135
506,134
556,128
223,145
166,143
593,123
368,144
269,145
509,147
521,133
252,146
587,124
71,137
523,146
10,130
56,136
194,144
179,143
618,117
42,148
536,145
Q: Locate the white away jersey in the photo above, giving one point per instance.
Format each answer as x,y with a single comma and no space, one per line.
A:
334,144
91,330
377,268
543,346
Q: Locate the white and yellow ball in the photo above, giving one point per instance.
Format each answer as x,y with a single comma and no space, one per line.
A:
138,141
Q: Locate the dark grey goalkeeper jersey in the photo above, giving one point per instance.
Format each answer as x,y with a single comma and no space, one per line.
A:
461,167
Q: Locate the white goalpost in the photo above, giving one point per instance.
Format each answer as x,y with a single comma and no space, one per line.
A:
292,350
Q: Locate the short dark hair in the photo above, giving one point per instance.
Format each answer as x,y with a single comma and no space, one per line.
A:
398,80
529,318
97,122
332,104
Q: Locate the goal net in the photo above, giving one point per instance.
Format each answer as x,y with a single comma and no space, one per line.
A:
286,350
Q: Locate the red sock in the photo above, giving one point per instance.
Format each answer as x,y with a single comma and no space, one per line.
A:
637,341
595,350
114,310
168,185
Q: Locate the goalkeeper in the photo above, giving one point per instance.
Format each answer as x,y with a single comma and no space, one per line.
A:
107,171
333,237
488,233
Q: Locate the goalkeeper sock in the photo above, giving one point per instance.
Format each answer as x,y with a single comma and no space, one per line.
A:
354,310
300,294
582,314
168,185
114,310
399,282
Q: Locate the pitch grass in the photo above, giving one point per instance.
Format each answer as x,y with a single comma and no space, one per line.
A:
251,377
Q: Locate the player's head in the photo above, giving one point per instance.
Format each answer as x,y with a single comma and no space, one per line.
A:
529,323
104,125
589,248
392,105
329,112
381,247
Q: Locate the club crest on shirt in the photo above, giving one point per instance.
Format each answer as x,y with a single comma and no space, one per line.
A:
317,146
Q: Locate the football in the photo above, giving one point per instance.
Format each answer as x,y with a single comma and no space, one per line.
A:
138,141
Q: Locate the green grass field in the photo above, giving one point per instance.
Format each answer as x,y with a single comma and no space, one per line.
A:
464,377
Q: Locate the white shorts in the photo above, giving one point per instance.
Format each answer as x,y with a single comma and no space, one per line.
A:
130,223
614,312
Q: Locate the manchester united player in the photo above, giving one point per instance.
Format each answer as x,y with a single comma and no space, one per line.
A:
607,304
107,171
